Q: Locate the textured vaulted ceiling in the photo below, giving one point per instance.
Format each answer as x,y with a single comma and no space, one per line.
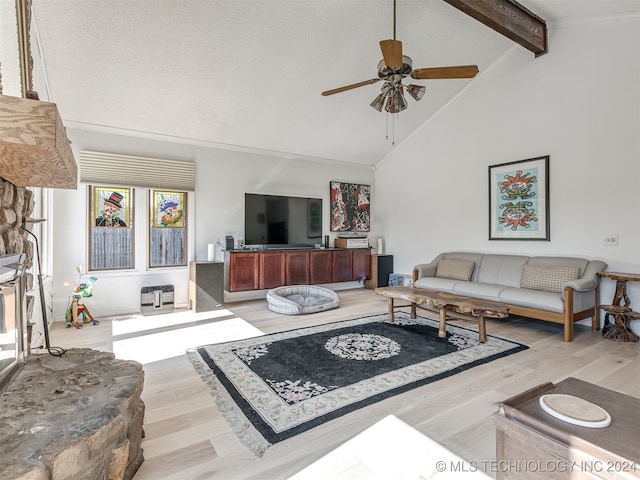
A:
248,74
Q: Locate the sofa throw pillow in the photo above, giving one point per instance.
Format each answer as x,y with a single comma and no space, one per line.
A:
547,279
455,269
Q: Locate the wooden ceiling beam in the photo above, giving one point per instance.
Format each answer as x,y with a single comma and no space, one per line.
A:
510,19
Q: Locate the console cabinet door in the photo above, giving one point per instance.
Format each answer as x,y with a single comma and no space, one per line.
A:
321,267
361,264
243,271
271,270
296,268
342,265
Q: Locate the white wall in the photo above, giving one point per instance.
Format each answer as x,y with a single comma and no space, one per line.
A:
580,104
222,178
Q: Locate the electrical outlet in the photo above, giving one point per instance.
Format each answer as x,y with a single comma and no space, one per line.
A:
610,240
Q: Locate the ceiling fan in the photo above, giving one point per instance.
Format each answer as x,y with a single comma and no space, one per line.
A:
394,67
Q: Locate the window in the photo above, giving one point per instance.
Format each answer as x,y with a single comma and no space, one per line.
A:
162,187
112,232
111,227
168,229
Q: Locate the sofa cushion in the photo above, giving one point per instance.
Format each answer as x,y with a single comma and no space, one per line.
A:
465,257
560,262
535,299
487,291
501,269
436,283
547,279
454,269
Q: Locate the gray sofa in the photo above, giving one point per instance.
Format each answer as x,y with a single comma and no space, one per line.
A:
556,289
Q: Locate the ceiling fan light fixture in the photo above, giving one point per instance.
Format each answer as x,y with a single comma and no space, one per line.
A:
416,91
396,103
387,89
378,102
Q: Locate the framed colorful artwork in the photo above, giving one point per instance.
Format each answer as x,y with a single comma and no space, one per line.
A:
111,207
168,209
519,200
350,207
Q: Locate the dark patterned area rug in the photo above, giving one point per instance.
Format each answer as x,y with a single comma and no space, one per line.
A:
273,387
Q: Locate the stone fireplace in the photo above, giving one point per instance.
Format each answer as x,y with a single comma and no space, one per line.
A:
76,415
72,417
16,256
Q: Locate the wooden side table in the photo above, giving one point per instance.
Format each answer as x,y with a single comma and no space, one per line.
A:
530,443
620,309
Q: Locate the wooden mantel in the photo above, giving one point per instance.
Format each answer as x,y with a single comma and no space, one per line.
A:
34,148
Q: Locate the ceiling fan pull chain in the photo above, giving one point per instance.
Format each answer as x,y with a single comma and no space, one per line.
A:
393,130
386,126
393,127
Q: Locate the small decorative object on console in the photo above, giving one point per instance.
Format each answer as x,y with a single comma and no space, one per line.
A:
352,242
229,243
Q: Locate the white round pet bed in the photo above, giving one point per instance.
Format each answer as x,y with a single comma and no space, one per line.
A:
301,299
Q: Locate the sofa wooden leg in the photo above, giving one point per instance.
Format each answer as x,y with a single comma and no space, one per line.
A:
568,327
568,333
568,314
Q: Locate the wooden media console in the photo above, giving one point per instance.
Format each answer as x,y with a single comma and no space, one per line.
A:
260,270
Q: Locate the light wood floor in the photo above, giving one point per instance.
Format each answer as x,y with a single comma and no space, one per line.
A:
188,439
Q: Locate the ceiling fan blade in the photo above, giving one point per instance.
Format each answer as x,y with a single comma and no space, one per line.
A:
392,53
350,87
461,71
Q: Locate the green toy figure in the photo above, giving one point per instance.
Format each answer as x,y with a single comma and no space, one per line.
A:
77,310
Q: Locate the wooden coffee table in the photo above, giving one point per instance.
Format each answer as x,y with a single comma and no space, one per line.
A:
442,301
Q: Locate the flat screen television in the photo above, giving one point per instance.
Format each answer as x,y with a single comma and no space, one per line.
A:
278,221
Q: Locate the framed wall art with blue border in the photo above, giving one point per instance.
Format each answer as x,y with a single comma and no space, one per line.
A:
519,200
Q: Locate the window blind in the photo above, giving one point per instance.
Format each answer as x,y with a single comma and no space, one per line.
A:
128,170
